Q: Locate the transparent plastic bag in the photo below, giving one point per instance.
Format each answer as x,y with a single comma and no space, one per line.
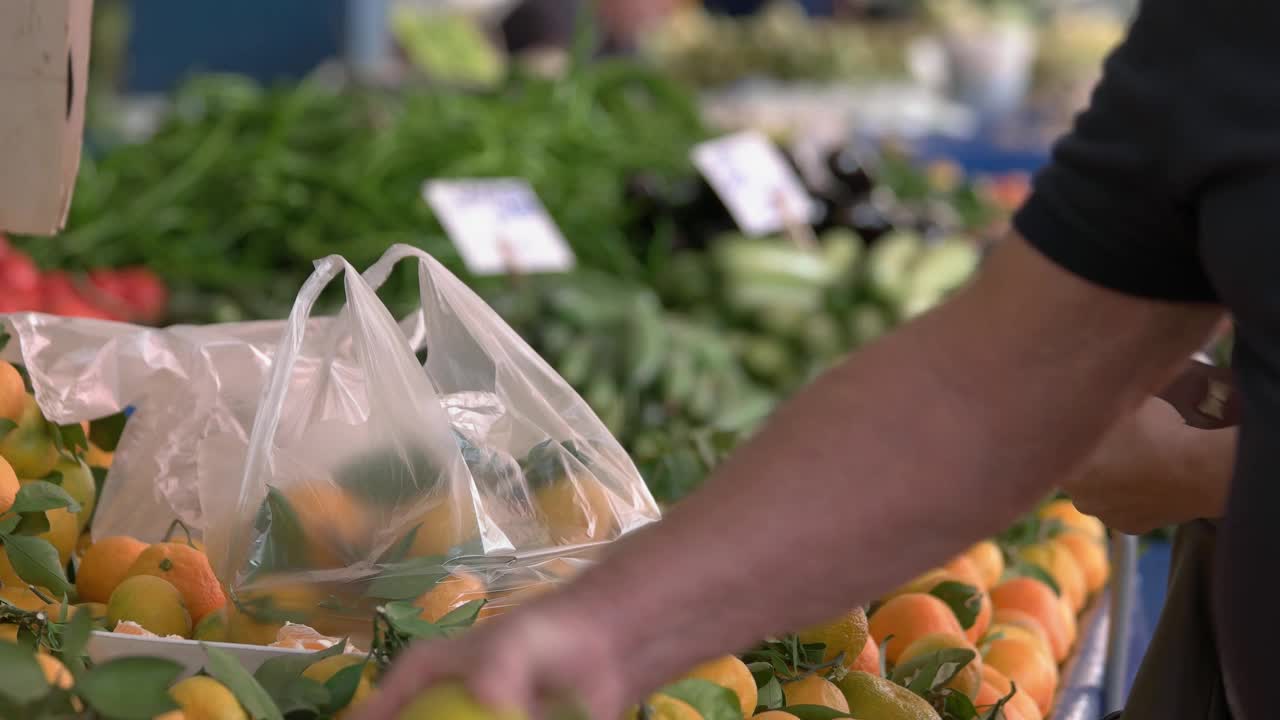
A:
379,478
190,386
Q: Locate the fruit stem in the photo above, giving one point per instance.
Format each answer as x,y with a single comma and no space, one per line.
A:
177,523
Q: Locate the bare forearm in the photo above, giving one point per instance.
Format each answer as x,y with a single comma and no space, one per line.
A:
917,446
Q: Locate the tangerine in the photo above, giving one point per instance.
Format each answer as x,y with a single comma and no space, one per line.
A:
1039,601
188,570
908,618
105,565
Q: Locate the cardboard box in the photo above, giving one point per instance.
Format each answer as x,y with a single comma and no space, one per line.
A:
44,72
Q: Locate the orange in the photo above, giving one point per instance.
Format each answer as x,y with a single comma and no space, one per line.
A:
845,635
1039,601
151,602
868,660
577,510
982,621
987,696
1061,565
999,682
77,481
449,594
337,526
257,615
1010,621
989,560
908,618
9,486
1024,663
29,447
105,564
23,598
969,678
730,672
55,673
443,527
98,458
815,690
1068,621
1090,554
188,570
12,392
203,697
966,571
661,707
775,715
1065,512
507,600
922,583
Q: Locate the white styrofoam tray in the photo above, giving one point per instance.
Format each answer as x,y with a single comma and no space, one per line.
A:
104,646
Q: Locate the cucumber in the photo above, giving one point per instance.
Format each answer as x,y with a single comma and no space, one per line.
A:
943,267
889,265
867,322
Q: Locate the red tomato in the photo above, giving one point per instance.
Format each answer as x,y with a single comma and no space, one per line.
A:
145,293
18,274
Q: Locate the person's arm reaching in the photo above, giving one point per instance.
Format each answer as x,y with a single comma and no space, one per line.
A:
922,443
1153,470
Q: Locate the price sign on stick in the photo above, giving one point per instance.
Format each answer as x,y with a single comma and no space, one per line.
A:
499,226
762,192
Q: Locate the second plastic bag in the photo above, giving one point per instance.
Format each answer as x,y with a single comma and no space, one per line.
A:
481,467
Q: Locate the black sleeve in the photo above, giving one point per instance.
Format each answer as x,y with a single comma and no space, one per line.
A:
1107,208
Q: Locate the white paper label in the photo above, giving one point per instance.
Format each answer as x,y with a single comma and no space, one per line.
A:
754,181
499,226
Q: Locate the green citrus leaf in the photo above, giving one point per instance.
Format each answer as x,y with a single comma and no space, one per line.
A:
9,524
41,496
302,695
275,675
280,542
407,580
72,438
957,706
924,674
226,669
463,616
131,688
816,712
36,562
74,636
964,600
106,432
22,681
400,550
768,690
712,701
342,687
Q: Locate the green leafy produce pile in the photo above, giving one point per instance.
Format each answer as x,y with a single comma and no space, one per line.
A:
242,188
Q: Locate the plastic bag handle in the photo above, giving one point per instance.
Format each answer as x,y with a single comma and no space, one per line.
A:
266,421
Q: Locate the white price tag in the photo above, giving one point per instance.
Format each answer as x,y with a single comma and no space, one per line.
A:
499,226
751,176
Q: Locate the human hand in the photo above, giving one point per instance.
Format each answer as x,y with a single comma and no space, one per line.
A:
533,660
1152,470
